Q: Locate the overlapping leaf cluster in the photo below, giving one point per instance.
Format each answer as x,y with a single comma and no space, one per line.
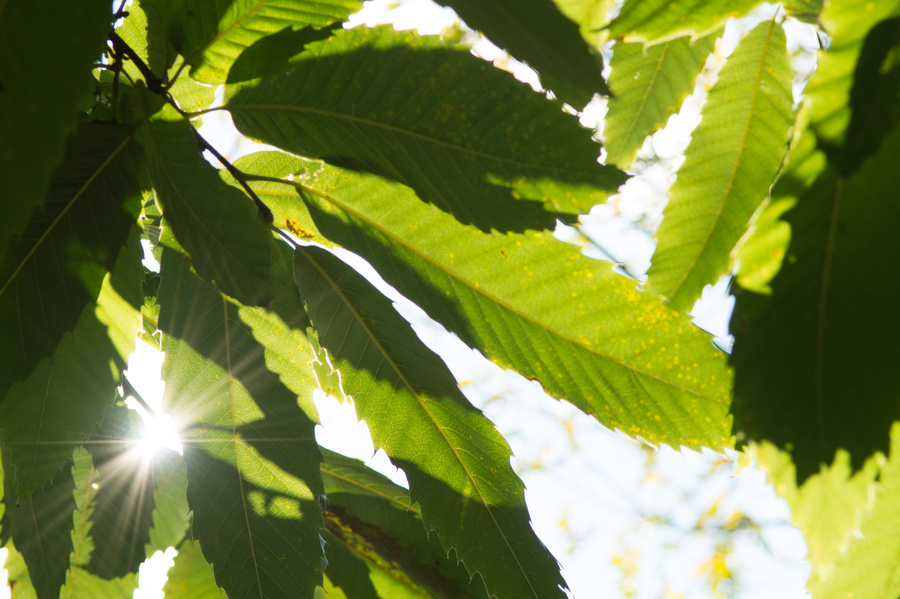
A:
448,176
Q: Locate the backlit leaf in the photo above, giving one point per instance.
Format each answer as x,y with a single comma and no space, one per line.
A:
251,456
191,577
540,307
537,33
828,508
658,21
456,461
41,528
377,544
734,155
56,270
39,98
81,584
649,86
216,224
827,382
46,416
211,35
829,91
468,137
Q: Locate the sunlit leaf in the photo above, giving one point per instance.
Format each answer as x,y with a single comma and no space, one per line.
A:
759,257
538,306
829,91
468,137
41,528
804,10
56,270
537,33
868,567
591,15
81,584
649,86
662,20
734,155
827,508
171,514
46,416
826,383
251,456
123,502
39,98
216,224
456,462
211,35
191,577
377,544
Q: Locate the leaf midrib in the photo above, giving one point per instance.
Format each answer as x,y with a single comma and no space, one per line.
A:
728,189
476,289
387,357
647,94
81,191
819,373
400,132
237,450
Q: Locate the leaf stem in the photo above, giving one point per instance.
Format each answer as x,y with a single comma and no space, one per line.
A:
158,86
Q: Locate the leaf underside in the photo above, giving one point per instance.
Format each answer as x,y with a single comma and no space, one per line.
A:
435,118
734,155
456,462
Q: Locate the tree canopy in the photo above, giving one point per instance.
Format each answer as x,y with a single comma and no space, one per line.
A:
448,176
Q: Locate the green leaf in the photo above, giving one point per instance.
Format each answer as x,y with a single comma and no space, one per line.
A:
874,95
377,544
649,86
211,35
46,416
656,21
123,504
216,224
282,330
251,456
191,577
41,528
591,15
46,52
81,584
828,381
55,271
510,160
144,29
541,308
804,10
827,508
758,258
829,90
536,32
17,574
456,461
171,514
734,155
869,567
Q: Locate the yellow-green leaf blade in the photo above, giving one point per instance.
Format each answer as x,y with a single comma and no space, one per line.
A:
211,35
734,155
656,21
39,97
593,339
251,456
217,224
456,461
478,144
649,86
